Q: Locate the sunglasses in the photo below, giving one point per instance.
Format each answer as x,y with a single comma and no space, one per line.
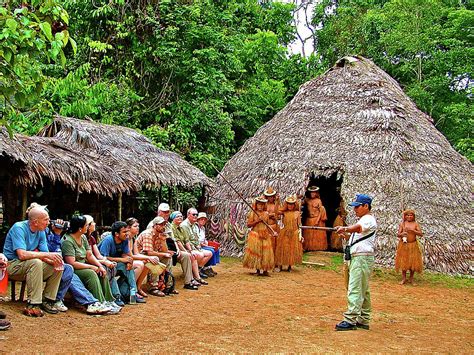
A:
194,214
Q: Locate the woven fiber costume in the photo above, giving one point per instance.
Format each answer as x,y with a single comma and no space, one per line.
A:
409,256
315,239
289,250
259,251
273,206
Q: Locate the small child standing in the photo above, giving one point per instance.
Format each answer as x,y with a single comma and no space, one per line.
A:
409,256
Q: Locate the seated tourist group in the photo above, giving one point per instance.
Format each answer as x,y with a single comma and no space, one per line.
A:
102,274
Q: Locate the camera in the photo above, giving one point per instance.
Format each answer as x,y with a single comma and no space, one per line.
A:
64,226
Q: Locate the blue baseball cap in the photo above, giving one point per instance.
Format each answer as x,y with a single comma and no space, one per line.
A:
361,199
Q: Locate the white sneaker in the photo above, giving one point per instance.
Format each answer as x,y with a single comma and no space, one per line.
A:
97,308
59,305
114,307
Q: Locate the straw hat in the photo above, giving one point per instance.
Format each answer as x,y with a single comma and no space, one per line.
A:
269,192
290,199
261,199
313,188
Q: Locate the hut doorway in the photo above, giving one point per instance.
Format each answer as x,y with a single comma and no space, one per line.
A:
330,192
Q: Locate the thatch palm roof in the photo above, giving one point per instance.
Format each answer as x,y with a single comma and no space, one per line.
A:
11,147
59,162
357,122
130,154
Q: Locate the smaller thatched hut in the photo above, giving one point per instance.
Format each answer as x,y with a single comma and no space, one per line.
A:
71,158
354,130
127,151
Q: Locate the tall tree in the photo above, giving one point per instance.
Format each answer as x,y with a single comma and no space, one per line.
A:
34,33
426,45
206,74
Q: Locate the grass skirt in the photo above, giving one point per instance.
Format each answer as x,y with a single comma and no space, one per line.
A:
314,239
259,251
289,250
409,257
273,239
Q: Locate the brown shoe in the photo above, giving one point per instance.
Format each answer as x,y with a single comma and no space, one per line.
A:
33,310
4,324
3,315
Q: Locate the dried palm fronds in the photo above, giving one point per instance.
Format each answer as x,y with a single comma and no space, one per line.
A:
129,153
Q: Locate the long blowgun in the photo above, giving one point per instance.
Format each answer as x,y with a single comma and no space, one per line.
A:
240,196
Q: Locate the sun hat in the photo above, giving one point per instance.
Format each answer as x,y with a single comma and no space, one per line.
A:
202,215
269,192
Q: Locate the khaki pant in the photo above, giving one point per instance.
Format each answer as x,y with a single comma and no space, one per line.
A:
358,294
35,272
185,260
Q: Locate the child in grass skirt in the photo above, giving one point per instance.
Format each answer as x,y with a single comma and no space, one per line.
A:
409,256
259,251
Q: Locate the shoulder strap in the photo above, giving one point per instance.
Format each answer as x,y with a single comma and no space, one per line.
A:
363,238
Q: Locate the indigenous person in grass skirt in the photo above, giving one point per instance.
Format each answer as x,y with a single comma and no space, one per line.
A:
409,256
360,266
259,251
289,249
273,205
316,216
336,239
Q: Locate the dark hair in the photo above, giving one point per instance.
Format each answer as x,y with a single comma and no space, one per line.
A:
130,221
117,226
76,223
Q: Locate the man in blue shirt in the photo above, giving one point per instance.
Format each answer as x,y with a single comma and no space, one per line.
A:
115,247
30,260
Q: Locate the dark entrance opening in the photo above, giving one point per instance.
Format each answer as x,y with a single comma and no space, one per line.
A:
330,192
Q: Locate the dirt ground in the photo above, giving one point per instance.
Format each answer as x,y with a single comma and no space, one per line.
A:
241,313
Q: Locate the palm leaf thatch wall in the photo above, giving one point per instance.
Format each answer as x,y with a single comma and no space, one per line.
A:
127,152
355,121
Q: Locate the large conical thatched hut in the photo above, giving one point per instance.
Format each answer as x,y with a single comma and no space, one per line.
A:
353,130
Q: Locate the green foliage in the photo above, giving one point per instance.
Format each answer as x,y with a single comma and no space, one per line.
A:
209,73
425,45
33,33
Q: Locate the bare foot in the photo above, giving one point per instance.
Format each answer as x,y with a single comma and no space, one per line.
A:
403,282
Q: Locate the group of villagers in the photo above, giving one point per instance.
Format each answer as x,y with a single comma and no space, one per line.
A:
276,242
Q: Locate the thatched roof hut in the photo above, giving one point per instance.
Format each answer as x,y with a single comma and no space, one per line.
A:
128,152
353,130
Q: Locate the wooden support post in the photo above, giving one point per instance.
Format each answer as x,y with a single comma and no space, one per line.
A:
24,201
120,206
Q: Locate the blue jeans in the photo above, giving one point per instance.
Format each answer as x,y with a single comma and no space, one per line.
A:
71,282
125,286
